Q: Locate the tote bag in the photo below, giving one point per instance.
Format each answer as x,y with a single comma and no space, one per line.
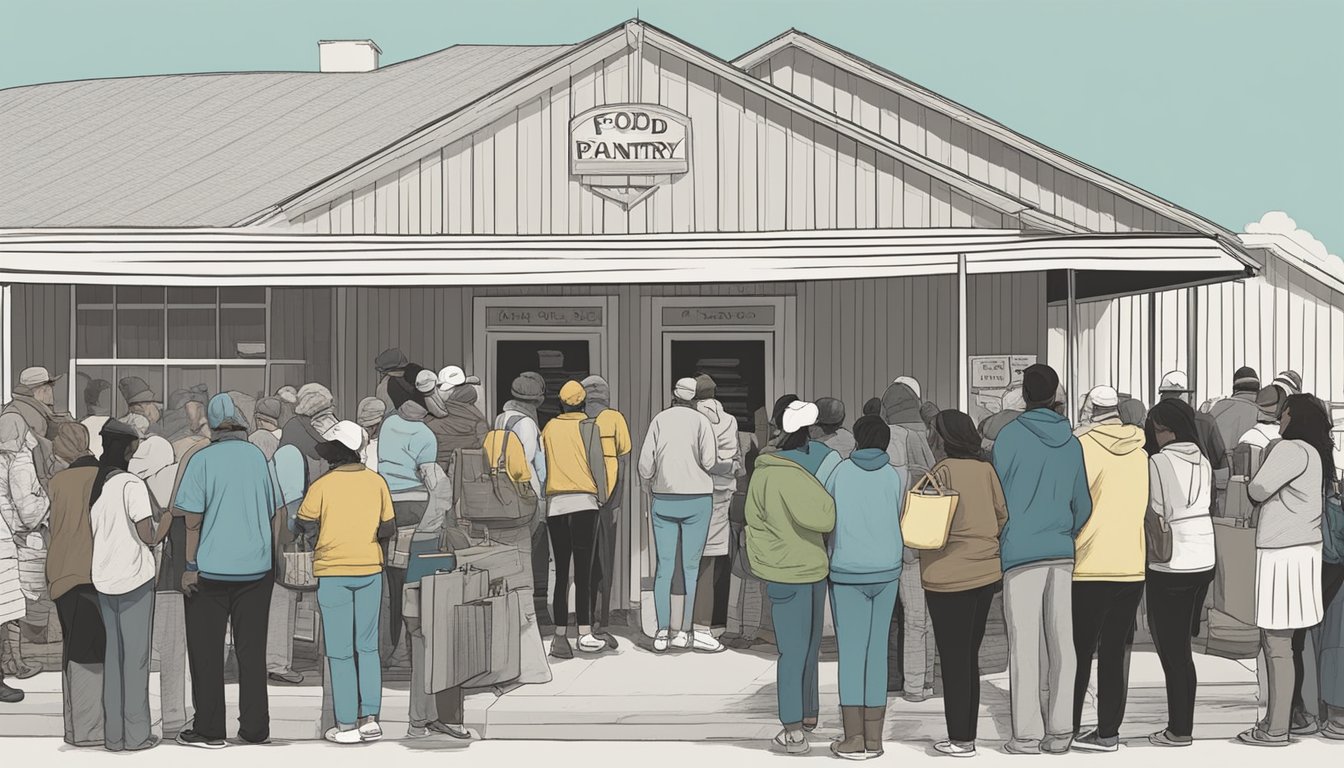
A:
927,519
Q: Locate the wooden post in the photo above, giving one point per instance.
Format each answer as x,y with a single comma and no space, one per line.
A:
1152,350
963,351
1192,344
7,338
1071,376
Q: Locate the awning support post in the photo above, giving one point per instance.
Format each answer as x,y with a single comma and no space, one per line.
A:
963,351
1071,376
1152,349
7,339
1192,344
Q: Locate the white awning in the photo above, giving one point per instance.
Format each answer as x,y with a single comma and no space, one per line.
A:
277,258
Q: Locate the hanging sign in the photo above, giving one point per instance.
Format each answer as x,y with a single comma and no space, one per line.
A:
719,315
629,140
990,372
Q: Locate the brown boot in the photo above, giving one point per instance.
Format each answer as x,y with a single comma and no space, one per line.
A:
851,746
874,719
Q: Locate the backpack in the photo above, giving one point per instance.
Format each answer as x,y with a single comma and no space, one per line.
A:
1237,505
597,458
484,489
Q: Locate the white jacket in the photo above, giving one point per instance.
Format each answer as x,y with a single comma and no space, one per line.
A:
679,453
725,438
1180,488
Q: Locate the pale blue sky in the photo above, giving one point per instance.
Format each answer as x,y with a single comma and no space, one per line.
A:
1227,107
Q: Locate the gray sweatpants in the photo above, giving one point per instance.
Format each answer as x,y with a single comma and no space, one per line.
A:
1278,653
170,647
919,650
1038,608
281,623
129,621
81,685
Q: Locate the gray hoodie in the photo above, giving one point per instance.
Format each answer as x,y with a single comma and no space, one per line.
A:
1290,489
725,439
680,453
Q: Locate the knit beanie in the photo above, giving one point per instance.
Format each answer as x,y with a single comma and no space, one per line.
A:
370,411
313,399
597,389
1270,402
528,387
1040,385
71,442
830,412
705,388
572,393
1246,380
684,389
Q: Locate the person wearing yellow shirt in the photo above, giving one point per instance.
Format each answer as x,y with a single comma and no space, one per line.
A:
615,432
1109,565
350,510
571,520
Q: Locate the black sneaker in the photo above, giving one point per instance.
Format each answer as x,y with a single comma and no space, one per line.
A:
288,677
190,738
560,647
9,695
253,739
607,638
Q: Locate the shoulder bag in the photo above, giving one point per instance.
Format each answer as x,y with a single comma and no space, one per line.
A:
927,518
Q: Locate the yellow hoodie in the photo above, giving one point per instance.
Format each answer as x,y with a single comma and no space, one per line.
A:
1111,546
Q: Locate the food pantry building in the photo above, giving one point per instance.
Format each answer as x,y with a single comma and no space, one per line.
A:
798,220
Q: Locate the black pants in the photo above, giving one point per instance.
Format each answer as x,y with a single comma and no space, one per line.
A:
83,635
896,650
1103,622
246,606
958,629
1332,578
1173,604
573,536
604,565
396,581
541,565
711,592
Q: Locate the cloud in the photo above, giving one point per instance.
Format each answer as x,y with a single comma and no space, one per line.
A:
1280,223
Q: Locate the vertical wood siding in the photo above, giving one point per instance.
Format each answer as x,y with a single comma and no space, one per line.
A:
1281,320
957,145
753,167
40,332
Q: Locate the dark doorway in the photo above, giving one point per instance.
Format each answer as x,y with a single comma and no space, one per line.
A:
557,361
737,367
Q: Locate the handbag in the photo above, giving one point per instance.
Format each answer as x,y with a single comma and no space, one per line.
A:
927,518
504,641
1157,531
425,558
487,493
296,565
440,596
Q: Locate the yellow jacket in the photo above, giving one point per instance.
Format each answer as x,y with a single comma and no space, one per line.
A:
1111,546
567,468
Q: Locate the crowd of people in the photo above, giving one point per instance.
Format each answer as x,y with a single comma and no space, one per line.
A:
171,534
1075,526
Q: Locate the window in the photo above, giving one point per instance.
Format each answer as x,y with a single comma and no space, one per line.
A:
175,339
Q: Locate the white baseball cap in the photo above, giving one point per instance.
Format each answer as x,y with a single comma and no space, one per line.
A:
1104,397
910,382
684,389
425,382
1174,381
347,433
800,415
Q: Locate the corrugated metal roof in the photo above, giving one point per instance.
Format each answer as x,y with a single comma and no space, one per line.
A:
212,149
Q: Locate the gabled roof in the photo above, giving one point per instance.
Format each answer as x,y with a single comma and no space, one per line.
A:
455,126
886,78
211,149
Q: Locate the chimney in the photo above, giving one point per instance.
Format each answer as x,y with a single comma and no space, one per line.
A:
347,55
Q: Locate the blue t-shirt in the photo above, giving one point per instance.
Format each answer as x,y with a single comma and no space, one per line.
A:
233,486
403,447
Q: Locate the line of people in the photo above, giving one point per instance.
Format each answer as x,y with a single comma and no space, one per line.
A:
1074,526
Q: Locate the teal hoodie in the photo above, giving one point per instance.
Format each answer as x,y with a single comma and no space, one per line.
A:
1040,465
866,546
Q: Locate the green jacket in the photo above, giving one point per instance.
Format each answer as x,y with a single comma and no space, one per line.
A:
787,512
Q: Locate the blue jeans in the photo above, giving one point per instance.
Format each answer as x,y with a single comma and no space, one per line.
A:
796,610
685,518
350,627
862,629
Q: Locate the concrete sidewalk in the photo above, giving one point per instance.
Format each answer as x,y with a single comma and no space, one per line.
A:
633,694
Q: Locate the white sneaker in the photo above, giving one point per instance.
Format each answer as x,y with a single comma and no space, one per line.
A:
660,642
337,736
682,641
793,742
591,644
370,731
704,642
953,749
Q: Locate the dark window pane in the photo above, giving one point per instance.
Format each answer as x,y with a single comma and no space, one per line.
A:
139,333
246,384
93,333
242,333
191,333
139,294
93,294
243,295
191,296
95,391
